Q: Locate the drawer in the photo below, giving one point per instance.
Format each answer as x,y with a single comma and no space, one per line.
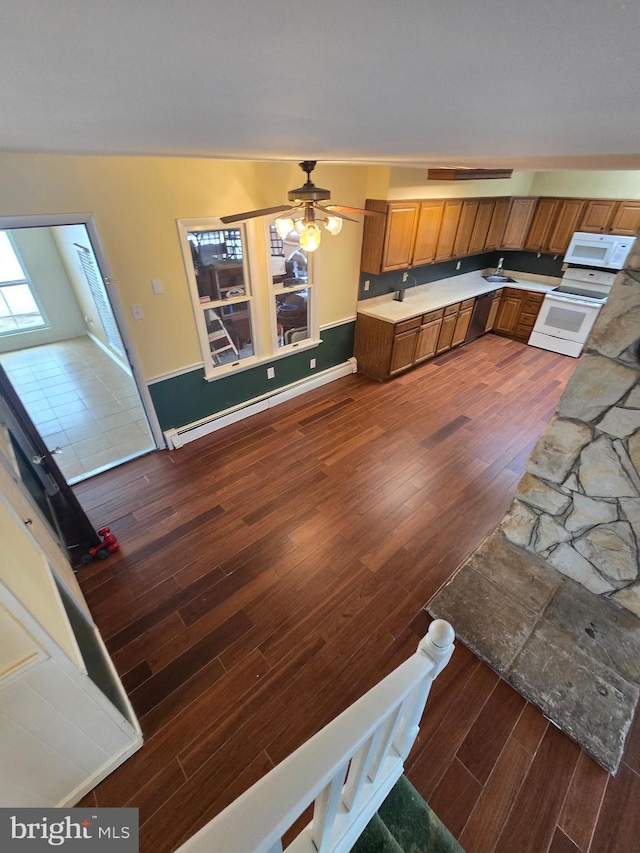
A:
497,294
432,315
531,308
513,291
407,325
523,333
452,309
468,303
528,320
534,297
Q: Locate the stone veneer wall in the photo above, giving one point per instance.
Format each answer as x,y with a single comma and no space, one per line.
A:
578,504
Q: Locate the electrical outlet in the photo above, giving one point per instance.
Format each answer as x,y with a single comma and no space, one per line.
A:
458,265
271,372
367,285
405,276
137,312
312,364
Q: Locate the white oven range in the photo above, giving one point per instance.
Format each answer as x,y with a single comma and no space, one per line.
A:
569,311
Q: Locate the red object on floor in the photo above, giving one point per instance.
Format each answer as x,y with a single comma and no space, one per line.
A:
109,545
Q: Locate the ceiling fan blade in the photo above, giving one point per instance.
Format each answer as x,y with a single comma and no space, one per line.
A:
341,207
334,210
265,211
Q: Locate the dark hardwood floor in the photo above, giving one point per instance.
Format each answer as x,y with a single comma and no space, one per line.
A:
275,570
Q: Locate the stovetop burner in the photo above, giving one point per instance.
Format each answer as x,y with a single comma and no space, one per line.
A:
579,292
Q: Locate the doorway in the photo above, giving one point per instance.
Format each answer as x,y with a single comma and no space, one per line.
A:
62,348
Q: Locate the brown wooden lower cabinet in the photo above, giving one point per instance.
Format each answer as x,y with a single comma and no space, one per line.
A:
404,347
493,312
448,328
462,323
508,313
384,349
428,334
517,313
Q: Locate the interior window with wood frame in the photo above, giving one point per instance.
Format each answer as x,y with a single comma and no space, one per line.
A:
252,293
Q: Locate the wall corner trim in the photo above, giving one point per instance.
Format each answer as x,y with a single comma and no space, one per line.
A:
176,438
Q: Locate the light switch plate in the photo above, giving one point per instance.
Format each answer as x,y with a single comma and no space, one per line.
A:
156,286
271,372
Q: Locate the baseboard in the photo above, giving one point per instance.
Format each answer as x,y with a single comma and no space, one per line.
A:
176,438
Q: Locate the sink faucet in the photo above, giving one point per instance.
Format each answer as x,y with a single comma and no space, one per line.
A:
399,297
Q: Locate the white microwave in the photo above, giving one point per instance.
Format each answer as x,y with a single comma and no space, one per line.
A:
598,250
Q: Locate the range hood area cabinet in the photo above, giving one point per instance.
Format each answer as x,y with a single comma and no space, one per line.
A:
415,233
65,720
607,216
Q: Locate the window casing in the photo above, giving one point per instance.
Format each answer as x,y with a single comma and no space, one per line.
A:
252,293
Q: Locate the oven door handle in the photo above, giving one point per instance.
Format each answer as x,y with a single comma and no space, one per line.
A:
571,301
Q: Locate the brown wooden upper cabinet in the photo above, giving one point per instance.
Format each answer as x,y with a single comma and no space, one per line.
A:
543,220
402,221
517,227
498,223
480,233
414,233
553,223
429,223
566,223
597,215
465,227
450,221
626,219
609,216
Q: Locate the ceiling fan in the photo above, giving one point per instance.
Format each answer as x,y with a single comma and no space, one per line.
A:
306,214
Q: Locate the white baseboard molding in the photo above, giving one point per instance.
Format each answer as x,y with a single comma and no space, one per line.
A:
176,438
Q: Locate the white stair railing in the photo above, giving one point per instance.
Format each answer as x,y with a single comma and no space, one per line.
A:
347,769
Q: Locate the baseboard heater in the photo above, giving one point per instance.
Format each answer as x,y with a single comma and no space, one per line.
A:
176,438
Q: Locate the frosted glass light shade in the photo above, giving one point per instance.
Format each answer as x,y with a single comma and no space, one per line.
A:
284,226
333,225
310,237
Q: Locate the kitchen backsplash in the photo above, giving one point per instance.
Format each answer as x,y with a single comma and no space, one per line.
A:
528,262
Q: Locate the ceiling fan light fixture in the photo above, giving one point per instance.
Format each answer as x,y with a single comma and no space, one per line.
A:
333,225
298,225
284,226
310,237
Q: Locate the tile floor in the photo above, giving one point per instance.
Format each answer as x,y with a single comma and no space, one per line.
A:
82,401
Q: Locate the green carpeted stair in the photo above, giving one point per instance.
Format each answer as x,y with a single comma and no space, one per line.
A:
404,823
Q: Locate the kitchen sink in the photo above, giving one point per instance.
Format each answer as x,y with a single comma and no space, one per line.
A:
499,279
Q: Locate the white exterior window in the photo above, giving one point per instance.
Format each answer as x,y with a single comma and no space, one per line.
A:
252,293
19,310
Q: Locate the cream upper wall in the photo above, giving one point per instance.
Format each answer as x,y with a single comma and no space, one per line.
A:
587,184
412,183
136,202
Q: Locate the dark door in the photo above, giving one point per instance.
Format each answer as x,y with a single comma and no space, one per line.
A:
33,463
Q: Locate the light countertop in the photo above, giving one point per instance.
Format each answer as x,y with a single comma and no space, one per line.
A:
438,294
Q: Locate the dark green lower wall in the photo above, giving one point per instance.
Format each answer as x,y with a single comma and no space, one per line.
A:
189,397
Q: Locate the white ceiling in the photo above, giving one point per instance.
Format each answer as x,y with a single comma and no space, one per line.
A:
537,84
